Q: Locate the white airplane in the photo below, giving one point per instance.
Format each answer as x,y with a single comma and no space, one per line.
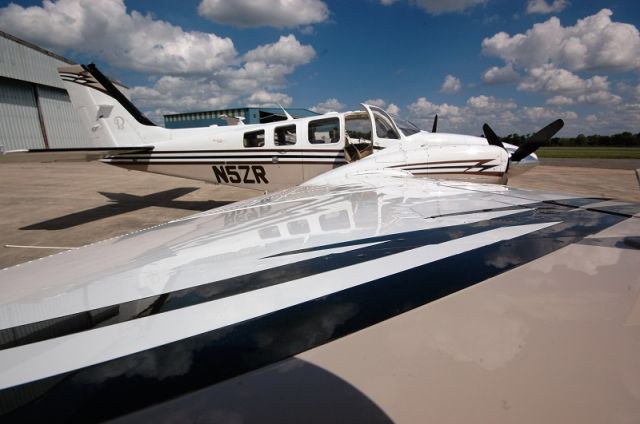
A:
364,294
269,157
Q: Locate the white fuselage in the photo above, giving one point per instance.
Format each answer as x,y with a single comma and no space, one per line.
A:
259,156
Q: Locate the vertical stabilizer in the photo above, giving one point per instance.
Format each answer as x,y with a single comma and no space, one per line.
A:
112,120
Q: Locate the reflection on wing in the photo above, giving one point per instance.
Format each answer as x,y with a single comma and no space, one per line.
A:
137,320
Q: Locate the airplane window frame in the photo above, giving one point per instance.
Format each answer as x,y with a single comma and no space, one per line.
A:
252,144
276,138
383,123
322,122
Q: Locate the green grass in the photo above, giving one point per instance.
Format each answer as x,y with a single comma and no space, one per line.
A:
590,152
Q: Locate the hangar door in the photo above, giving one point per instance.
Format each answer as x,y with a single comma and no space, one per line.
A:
19,122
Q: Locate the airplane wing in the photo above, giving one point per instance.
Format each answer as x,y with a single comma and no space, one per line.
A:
378,297
67,154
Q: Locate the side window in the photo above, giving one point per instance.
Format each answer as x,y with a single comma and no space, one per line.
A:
358,127
384,129
324,131
254,139
285,136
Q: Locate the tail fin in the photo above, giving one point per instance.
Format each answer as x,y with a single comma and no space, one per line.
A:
112,120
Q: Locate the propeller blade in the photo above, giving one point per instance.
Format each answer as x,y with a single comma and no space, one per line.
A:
491,136
538,139
435,124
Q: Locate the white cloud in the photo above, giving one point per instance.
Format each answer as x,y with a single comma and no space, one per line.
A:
265,98
393,109
504,116
126,40
451,85
265,13
601,97
286,51
560,81
593,43
490,104
329,105
195,70
375,102
422,112
387,2
496,75
539,113
542,7
560,101
591,118
251,83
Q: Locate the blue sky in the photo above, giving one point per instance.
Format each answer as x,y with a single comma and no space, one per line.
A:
517,64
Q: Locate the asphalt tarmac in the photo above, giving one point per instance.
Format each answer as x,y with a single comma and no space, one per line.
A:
48,208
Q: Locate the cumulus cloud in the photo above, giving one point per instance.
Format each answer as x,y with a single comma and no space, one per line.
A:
423,111
393,109
504,115
192,70
593,43
126,40
286,51
451,85
329,105
490,104
264,13
376,102
542,7
265,98
549,79
265,69
601,97
496,75
539,113
560,101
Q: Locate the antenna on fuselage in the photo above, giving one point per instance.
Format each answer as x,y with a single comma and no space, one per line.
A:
289,117
435,124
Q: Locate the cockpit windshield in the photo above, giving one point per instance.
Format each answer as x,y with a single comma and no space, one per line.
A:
408,128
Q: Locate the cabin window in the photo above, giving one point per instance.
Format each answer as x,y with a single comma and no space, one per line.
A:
269,232
285,136
300,226
384,128
334,221
324,131
358,127
254,139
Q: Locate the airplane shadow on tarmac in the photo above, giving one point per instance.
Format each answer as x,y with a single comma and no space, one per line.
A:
123,203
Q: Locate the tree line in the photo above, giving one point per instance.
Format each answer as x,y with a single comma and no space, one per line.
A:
624,139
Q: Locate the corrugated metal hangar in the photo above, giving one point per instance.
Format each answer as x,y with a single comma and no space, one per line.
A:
249,115
35,111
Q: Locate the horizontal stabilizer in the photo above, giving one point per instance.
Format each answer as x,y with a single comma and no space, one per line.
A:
85,154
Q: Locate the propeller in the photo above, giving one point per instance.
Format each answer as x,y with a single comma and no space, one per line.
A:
435,124
531,144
